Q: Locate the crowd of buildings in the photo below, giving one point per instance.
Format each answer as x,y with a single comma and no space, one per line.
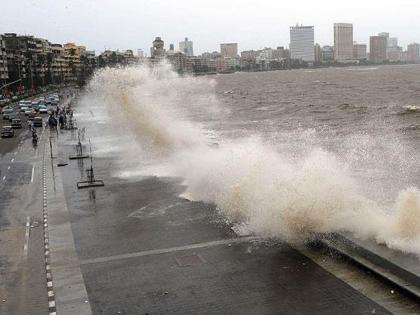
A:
27,62
382,48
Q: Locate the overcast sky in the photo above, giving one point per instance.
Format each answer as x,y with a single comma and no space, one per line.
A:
133,24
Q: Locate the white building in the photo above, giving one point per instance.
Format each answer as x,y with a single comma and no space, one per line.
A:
302,43
393,51
186,47
343,41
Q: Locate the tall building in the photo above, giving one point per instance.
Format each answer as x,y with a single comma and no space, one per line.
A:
4,73
318,54
377,49
302,43
359,51
73,56
157,50
327,53
140,53
187,47
393,51
59,64
413,52
392,42
229,50
343,41
384,34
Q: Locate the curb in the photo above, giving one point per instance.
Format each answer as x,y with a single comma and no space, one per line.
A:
69,295
50,288
384,268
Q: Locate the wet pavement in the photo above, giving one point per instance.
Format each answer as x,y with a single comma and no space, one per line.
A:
144,250
22,271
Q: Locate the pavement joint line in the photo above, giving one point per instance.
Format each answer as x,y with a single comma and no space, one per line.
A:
26,242
8,168
4,177
33,173
169,250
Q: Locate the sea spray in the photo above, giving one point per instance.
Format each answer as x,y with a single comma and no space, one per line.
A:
252,183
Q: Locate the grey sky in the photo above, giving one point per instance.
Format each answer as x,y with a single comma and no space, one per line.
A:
133,24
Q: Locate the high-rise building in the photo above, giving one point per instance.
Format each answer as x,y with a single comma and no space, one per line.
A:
186,47
359,51
229,50
318,54
157,50
343,41
4,73
384,34
302,43
392,42
327,53
393,51
413,52
140,53
377,49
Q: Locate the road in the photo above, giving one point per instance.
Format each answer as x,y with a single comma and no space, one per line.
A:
22,285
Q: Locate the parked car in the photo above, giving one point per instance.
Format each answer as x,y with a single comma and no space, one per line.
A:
16,123
23,109
13,115
25,103
43,109
28,111
37,121
7,112
7,132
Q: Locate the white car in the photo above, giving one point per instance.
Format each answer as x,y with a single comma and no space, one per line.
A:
42,109
28,111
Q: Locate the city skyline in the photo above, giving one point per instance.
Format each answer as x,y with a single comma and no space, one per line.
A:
131,26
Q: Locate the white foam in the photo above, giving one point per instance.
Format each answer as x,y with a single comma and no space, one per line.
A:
260,189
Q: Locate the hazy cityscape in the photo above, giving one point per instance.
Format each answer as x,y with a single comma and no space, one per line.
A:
33,62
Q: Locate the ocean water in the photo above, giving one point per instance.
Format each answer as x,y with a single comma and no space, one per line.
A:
281,154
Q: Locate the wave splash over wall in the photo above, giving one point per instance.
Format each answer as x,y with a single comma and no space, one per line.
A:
258,188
